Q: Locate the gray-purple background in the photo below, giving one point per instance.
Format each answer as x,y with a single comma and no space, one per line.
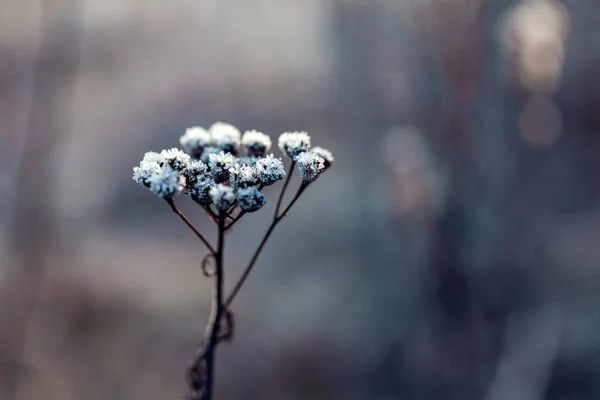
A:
452,252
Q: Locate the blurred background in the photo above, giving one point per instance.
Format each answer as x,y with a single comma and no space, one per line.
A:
452,252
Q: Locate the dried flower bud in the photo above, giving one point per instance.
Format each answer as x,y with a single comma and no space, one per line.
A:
226,137
194,140
222,196
175,158
294,143
219,165
144,171
250,199
166,182
269,170
198,182
255,143
310,166
325,154
243,176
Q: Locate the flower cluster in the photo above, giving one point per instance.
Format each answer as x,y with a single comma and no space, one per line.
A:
222,167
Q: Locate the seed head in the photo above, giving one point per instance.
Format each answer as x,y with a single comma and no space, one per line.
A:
325,154
219,165
222,196
166,182
198,181
251,199
294,143
243,175
175,158
255,143
269,170
194,140
144,171
226,137
310,166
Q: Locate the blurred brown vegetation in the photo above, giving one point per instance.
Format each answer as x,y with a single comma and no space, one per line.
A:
452,252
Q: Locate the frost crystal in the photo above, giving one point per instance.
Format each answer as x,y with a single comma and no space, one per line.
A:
194,140
310,165
145,170
251,199
324,154
219,165
222,196
255,143
243,175
270,170
294,143
166,182
154,157
175,158
226,137
208,151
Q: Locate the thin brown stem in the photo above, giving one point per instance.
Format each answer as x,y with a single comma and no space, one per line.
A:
216,311
285,185
236,219
189,224
201,373
210,215
301,189
278,217
248,269
233,206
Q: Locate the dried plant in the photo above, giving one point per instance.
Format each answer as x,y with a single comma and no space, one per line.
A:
225,172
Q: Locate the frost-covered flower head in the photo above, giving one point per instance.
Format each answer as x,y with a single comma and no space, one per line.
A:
243,175
222,196
156,173
310,166
219,165
198,181
226,137
269,170
325,154
250,199
166,182
194,140
255,143
294,143
144,171
175,158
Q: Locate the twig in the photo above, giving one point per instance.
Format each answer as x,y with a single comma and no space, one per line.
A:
211,213
248,269
285,185
278,217
188,223
201,372
301,189
236,219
